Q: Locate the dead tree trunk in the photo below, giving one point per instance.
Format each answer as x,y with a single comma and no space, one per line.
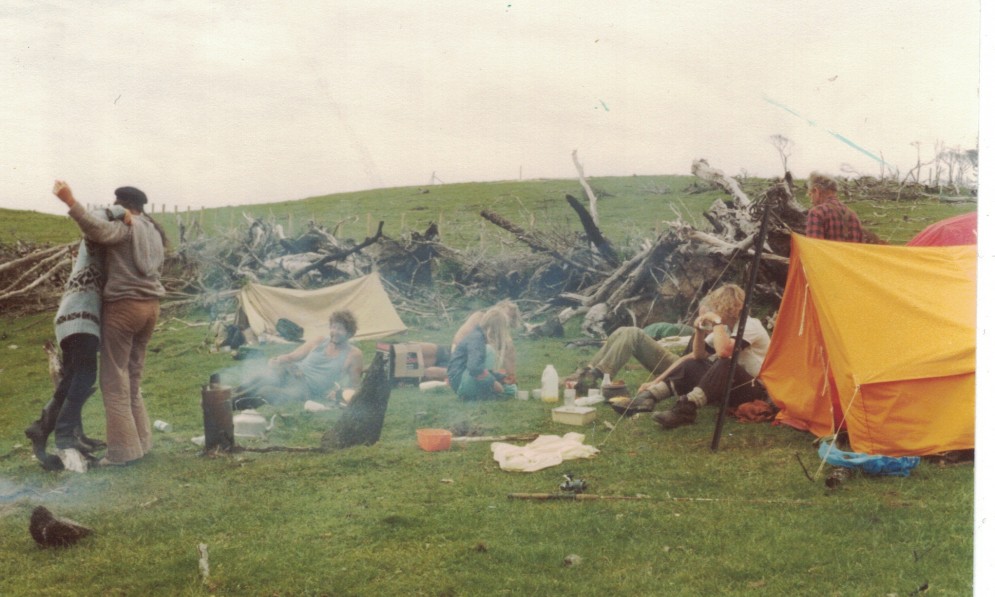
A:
533,241
339,256
593,232
591,197
362,421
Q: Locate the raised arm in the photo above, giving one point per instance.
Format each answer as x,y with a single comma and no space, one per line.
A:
100,231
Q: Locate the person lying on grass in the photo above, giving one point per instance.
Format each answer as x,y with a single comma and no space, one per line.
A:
323,368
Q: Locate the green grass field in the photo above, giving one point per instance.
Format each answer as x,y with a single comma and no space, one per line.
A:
390,519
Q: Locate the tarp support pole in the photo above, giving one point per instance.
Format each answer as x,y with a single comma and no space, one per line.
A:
758,247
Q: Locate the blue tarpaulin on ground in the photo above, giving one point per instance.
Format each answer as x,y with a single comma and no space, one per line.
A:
872,465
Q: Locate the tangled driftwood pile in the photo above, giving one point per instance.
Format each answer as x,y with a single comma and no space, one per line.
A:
672,272
32,277
558,275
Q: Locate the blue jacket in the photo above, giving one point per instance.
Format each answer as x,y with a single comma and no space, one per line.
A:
470,356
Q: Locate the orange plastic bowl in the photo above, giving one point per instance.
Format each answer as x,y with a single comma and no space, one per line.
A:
434,440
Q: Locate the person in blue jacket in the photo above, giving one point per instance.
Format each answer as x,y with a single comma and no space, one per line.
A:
472,370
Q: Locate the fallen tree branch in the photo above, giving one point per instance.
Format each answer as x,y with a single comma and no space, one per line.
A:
533,242
729,249
65,263
593,232
341,254
40,265
704,171
592,199
276,449
16,263
523,437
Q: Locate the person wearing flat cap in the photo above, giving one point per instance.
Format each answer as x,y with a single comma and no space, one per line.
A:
134,255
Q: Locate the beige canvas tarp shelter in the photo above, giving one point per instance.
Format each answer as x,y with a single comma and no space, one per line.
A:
263,306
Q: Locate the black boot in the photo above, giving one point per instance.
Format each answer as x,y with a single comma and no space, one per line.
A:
92,444
39,439
39,430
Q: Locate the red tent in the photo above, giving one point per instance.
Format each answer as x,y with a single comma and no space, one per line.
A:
958,230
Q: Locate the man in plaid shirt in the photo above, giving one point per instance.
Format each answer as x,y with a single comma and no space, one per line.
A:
829,219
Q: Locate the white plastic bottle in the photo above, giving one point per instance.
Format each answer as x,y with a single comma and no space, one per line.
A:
550,384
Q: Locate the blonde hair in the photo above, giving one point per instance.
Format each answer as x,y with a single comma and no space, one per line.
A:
494,323
511,311
727,301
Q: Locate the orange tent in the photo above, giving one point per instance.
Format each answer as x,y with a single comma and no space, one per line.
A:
880,339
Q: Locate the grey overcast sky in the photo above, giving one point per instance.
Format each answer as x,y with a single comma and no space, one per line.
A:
230,102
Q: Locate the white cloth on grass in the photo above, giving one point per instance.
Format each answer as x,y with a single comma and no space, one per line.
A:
543,452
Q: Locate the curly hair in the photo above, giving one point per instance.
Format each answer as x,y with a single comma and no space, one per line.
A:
727,301
346,319
823,183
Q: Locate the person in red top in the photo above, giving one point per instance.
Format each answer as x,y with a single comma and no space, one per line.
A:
829,219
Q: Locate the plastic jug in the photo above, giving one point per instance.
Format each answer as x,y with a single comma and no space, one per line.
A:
550,384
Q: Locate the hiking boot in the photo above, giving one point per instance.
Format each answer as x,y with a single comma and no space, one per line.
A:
72,443
39,439
644,402
92,444
684,412
586,378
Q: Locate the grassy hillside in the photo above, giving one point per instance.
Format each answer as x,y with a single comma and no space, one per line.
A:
33,227
390,519
630,208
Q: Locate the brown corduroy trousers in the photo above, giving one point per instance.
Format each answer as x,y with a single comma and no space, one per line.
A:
125,330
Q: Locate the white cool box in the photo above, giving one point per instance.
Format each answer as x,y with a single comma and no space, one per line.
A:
573,415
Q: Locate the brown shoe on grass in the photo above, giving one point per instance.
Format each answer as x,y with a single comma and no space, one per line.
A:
684,412
644,402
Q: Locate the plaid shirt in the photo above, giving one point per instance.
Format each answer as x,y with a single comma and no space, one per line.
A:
831,220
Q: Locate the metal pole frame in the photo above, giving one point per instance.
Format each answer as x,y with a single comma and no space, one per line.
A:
760,240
